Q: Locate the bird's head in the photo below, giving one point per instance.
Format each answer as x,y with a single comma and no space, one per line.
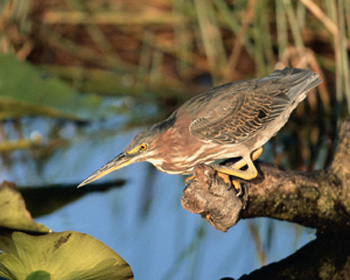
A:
140,148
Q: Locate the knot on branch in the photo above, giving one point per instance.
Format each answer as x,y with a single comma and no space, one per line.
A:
216,201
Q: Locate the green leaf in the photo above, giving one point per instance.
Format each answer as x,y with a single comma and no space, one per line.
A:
65,255
25,91
39,275
13,212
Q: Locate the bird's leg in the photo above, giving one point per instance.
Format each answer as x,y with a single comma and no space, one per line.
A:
250,173
224,172
241,163
238,165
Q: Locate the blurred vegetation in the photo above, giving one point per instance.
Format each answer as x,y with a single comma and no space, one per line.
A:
163,52
158,53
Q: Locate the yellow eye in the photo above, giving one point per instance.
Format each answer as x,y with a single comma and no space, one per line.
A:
143,147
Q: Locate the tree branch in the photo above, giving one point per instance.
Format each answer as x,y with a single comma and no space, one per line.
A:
327,257
318,199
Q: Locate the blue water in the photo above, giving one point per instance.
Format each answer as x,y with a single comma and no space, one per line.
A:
159,240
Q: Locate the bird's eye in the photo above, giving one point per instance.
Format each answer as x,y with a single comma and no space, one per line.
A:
143,147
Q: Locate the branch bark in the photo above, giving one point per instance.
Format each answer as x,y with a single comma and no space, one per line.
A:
318,199
326,257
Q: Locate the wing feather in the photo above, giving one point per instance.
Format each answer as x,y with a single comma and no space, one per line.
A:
234,112
243,117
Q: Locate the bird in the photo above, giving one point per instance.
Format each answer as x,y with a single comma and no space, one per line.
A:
233,120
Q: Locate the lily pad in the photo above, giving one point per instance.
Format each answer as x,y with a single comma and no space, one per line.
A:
13,212
65,255
26,91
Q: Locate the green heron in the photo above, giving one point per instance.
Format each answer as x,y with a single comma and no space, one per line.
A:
228,121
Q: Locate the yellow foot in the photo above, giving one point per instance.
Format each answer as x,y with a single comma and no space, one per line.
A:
188,179
236,184
238,187
224,177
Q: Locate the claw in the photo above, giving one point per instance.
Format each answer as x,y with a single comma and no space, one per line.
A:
238,187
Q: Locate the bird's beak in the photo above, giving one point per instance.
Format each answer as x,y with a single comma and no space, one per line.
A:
118,162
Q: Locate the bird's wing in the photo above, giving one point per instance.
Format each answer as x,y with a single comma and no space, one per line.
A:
236,111
241,113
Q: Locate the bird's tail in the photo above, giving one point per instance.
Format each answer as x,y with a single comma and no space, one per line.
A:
299,82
